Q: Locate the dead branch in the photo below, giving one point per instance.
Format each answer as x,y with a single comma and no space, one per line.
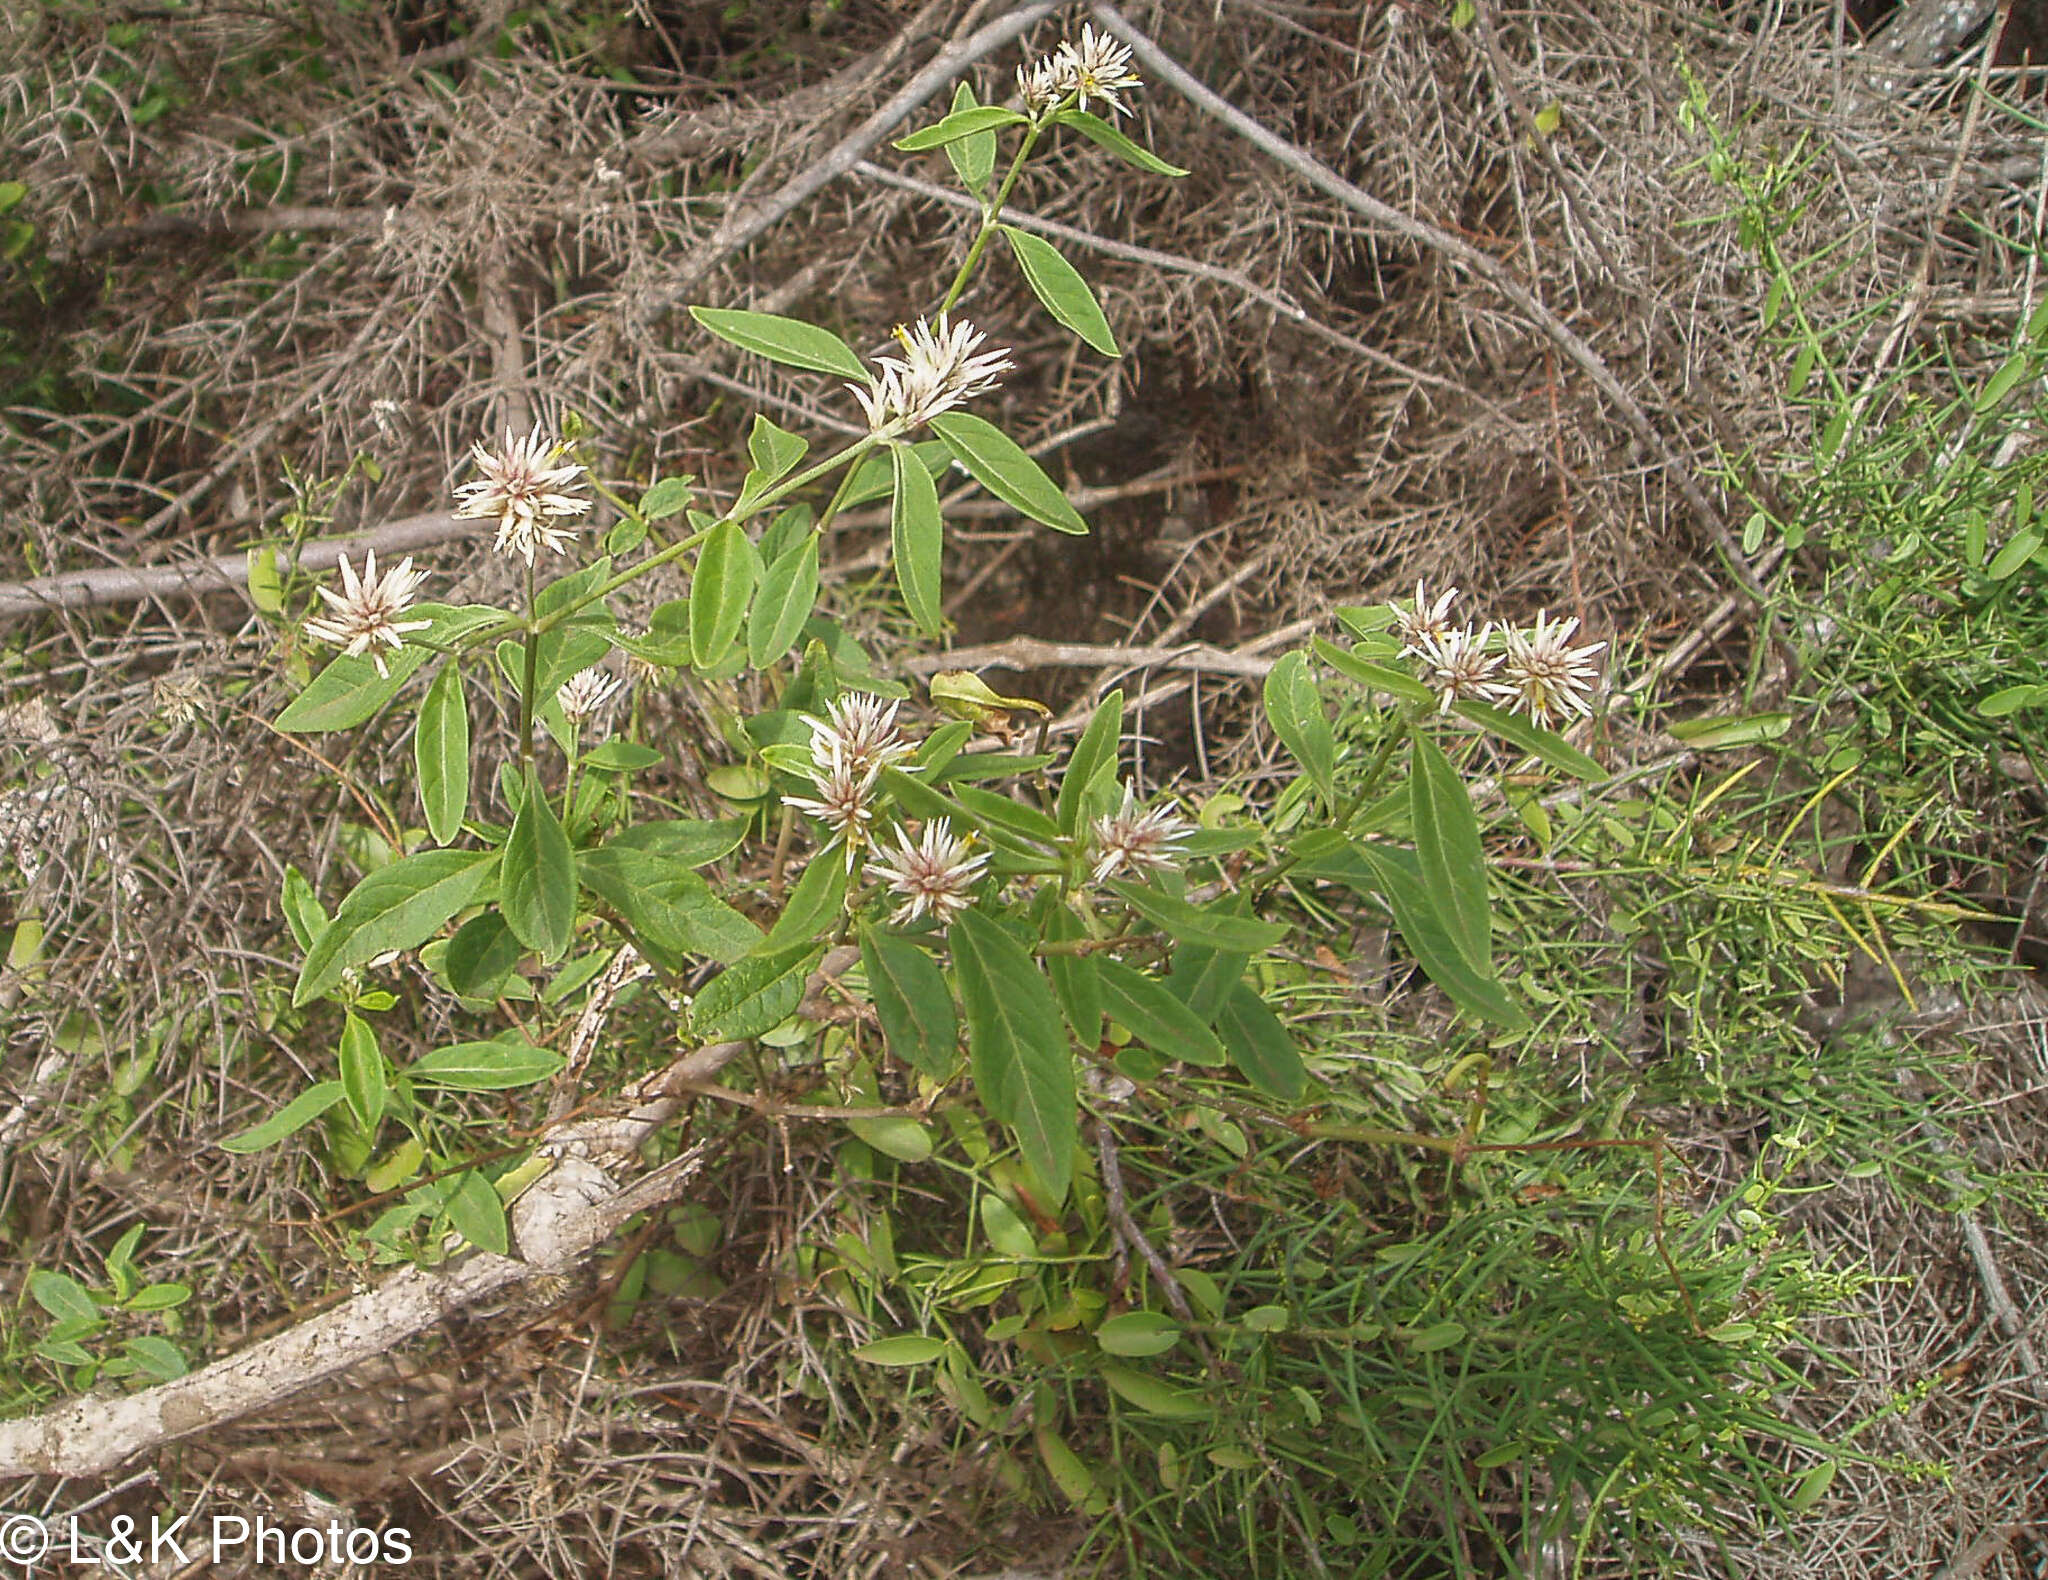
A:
565,1216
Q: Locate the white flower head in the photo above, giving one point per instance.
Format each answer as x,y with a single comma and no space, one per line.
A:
1096,66
363,616
933,875
844,802
1423,621
940,368
586,694
859,728
1039,84
1458,667
177,697
1132,841
523,487
1550,680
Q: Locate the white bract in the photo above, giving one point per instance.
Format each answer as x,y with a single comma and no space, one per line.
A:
933,875
1551,680
1458,667
363,616
1095,66
1129,840
523,487
940,368
586,694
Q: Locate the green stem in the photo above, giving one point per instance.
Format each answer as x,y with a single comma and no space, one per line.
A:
849,457
530,681
989,217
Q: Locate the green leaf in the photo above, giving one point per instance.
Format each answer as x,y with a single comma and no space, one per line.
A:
1202,977
1060,289
789,592
814,906
157,1358
160,1297
1008,1234
665,497
774,451
1192,924
440,751
1393,682
485,1066
973,156
349,690
481,956
473,1207
1137,1334
2018,549
895,1135
689,842
1812,1486
1400,881
1295,710
995,461
1155,1016
672,911
362,1072
1091,767
959,124
1448,846
302,909
1022,1067
1153,1396
1076,981
1545,745
63,1297
1259,1044
11,193
617,756
1731,729
756,995
1099,131
2010,699
910,1349
395,907
300,1112
2000,384
538,883
720,591
912,1000
917,536
790,341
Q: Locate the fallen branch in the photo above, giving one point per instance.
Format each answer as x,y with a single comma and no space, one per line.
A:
566,1215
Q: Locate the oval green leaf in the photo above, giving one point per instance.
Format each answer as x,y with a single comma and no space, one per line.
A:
917,540
1137,1334
395,907
538,884
300,1112
485,1066
790,341
999,464
1062,291
440,749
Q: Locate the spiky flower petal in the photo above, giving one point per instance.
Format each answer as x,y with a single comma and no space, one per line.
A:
1423,621
524,488
940,368
363,616
1039,84
844,802
933,875
1551,680
586,694
1458,667
860,728
1128,840
1095,66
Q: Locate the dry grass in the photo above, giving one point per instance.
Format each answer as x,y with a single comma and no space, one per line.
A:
494,235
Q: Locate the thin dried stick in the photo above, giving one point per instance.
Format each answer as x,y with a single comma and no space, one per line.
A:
1030,652
742,226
